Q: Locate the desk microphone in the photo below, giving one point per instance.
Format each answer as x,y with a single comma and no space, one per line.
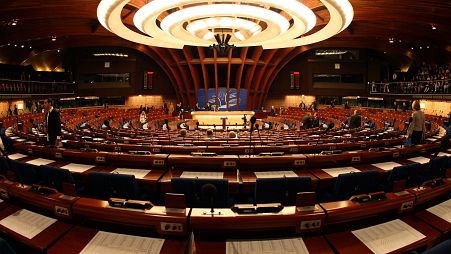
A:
258,131
208,192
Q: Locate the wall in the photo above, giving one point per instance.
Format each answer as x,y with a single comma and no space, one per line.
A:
439,108
149,100
5,104
289,101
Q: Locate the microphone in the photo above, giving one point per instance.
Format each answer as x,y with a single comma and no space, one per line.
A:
258,131
253,120
208,192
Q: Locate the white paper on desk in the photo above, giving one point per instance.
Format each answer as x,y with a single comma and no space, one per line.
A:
386,165
334,172
280,246
389,236
113,243
449,150
40,161
442,210
275,174
27,223
443,154
431,139
138,173
420,159
79,168
207,175
16,156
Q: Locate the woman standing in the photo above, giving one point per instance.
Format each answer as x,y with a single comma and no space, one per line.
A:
417,126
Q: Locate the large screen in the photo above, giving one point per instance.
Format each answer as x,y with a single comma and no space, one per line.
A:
222,99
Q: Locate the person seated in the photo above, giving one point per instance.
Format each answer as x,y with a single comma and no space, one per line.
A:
307,121
209,133
183,133
233,134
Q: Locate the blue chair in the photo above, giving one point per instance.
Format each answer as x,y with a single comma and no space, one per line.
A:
24,173
54,177
280,190
350,184
4,165
441,248
410,173
124,186
195,191
220,195
100,185
435,169
5,248
106,185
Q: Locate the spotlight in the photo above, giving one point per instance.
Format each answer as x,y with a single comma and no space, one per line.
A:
391,40
53,38
433,27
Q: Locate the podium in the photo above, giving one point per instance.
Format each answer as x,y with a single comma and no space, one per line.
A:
224,122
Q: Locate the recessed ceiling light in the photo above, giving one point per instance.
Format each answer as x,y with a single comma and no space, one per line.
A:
433,27
427,46
412,48
53,38
391,40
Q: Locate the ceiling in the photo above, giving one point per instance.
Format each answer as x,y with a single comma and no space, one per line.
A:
407,24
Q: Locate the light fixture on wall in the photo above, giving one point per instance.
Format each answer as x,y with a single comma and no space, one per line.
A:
266,23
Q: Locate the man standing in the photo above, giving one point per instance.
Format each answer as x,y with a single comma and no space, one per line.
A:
53,123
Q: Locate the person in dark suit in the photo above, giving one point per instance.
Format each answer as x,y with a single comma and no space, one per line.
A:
53,123
355,121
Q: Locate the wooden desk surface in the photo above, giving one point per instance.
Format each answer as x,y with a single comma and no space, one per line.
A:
231,175
41,241
99,210
346,210
435,221
229,221
347,242
315,244
77,238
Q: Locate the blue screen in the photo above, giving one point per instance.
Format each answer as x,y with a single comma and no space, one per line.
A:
222,98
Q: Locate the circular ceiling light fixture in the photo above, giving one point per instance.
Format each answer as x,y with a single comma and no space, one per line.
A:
266,23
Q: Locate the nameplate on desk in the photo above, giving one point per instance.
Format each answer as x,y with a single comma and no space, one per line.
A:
203,154
259,208
307,208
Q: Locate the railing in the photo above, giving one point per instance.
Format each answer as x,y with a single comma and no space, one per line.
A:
26,88
429,88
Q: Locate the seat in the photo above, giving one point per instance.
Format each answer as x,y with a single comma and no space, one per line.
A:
7,142
124,186
350,184
104,185
4,165
441,248
24,172
405,172
196,192
54,177
435,169
5,248
280,190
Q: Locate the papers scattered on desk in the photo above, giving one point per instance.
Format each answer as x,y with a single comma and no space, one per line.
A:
27,223
334,172
386,165
420,159
431,139
443,154
79,168
389,236
207,175
40,161
275,174
286,246
138,173
442,210
112,243
16,156
20,140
